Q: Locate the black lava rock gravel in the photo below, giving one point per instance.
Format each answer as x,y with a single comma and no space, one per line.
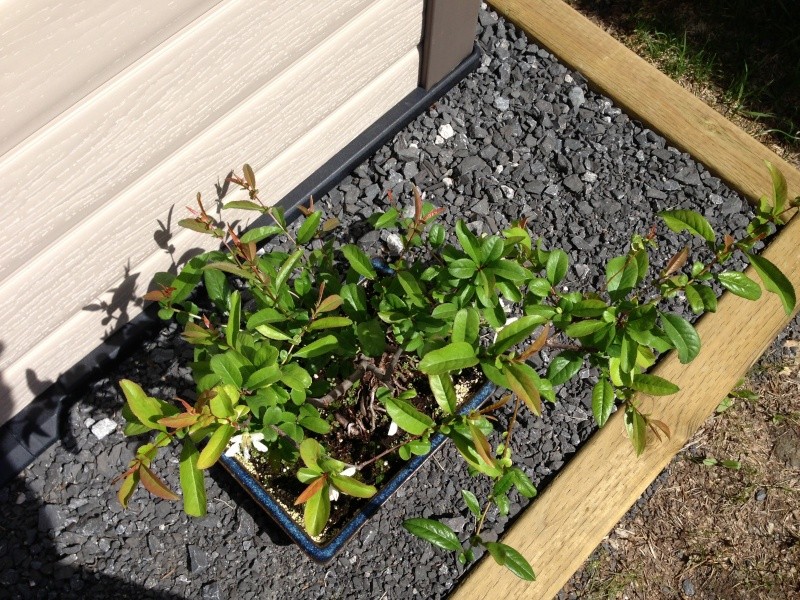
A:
522,137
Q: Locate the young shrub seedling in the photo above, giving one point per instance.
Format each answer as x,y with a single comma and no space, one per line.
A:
300,350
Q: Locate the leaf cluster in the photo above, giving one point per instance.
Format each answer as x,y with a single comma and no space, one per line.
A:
284,337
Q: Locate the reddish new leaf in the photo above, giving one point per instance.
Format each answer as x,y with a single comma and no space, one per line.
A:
314,487
155,485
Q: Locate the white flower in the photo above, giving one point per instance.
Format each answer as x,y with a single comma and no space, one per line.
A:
392,429
241,444
333,493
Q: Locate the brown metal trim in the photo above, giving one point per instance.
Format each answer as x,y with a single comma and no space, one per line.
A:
448,37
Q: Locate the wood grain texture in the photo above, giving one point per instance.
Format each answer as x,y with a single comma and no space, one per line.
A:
63,276
103,146
647,94
81,331
567,522
53,53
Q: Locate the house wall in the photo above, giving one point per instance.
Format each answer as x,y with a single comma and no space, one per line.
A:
114,114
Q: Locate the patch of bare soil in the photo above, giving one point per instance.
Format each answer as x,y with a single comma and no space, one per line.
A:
723,521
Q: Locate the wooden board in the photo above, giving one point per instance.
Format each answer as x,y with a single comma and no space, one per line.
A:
563,526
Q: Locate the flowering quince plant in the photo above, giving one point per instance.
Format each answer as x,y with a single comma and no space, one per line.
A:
299,348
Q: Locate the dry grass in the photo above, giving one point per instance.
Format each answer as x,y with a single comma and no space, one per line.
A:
710,530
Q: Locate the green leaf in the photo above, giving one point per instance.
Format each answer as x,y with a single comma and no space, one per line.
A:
286,268
522,381
259,233
694,299
622,273
228,367
628,351
221,403
516,331
739,284
263,377
523,483
436,235
409,284
324,345
491,249
779,190
682,335
434,532
387,219
147,410
216,287
510,271
309,227
216,446
653,385
775,281
466,325
192,480
234,319
272,333
329,323
636,427
468,242
506,556
564,366
708,296
265,315
453,357
310,452
584,328
444,392
688,220
557,265
330,303
407,417
317,510
462,268
296,377
602,401
359,261
352,486
243,205
371,337
315,424
472,503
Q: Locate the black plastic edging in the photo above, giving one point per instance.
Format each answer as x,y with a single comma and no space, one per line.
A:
29,433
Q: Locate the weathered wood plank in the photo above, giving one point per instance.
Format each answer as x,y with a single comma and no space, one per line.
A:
644,92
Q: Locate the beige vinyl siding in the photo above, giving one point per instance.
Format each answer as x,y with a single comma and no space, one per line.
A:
52,54
282,85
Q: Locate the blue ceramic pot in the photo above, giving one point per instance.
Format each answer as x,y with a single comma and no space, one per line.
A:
326,551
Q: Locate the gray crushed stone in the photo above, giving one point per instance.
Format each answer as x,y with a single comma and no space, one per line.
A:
522,137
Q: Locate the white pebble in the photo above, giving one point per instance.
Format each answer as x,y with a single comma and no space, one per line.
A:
104,428
89,422
438,140
589,177
395,243
501,103
447,181
507,191
446,131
